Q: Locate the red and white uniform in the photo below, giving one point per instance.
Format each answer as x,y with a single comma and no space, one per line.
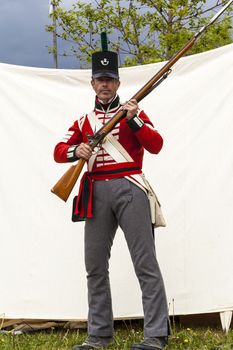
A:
134,135
134,141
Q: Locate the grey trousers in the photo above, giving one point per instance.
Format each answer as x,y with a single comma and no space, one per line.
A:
119,202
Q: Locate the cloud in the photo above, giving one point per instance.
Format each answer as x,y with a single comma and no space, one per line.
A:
23,37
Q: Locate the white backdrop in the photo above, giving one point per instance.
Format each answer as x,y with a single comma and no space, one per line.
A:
42,269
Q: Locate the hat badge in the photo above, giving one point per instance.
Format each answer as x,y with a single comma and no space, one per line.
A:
105,62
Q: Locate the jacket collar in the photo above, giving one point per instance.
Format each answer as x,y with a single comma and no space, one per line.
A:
111,106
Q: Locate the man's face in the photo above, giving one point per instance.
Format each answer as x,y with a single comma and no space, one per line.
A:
105,87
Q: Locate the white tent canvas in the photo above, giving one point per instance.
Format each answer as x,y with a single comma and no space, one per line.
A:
42,268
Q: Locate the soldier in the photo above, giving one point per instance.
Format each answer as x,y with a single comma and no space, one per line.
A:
110,196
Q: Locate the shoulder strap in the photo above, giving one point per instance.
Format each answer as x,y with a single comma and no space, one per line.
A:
81,121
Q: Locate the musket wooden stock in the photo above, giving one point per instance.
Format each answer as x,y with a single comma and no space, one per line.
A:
65,185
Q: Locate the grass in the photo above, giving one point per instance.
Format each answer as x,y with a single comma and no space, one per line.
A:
125,335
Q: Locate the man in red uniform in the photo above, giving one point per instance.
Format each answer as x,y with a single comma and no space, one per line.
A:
110,196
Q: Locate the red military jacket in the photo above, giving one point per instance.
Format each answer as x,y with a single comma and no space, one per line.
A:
135,135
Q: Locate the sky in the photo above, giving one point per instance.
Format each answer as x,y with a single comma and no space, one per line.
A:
23,39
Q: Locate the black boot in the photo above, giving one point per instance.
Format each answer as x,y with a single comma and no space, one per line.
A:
94,342
155,343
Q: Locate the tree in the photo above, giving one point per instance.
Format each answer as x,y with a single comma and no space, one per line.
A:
142,31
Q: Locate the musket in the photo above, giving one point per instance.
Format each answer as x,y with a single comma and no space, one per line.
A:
67,182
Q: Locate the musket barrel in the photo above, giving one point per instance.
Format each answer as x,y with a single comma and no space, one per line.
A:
214,18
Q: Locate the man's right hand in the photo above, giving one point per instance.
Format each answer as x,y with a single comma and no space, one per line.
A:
83,151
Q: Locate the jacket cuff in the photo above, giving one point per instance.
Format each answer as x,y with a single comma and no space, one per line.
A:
71,157
135,123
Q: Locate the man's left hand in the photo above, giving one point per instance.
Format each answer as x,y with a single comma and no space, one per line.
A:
131,107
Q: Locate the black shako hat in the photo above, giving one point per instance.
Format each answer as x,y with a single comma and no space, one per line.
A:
105,63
